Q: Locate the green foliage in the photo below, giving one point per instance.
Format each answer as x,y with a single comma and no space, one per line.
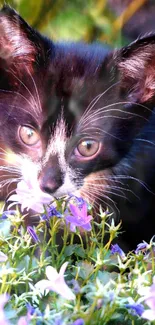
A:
87,20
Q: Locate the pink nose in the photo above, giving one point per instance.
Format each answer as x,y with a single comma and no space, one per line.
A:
49,186
50,179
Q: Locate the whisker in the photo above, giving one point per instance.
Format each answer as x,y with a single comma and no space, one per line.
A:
128,177
121,103
100,191
99,132
96,99
17,93
35,86
95,195
97,112
22,83
5,182
4,151
144,140
10,169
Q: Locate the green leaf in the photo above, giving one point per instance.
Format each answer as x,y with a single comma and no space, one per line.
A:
30,9
69,250
5,229
79,251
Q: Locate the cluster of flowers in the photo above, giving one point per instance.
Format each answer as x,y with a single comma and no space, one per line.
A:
91,289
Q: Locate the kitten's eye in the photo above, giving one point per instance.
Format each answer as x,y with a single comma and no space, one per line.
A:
88,148
28,135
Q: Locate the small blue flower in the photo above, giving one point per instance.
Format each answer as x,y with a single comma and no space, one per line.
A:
141,247
111,296
79,201
58,321
44,217
30,309
75,286
8,213
115,249
33,234
34,311
79,321
137,309
52,211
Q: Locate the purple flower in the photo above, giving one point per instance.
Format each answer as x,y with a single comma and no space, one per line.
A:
141,247
137,309
115,249
33,234
79,217
79,321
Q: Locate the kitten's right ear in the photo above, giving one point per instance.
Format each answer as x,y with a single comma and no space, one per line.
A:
19,44
136,64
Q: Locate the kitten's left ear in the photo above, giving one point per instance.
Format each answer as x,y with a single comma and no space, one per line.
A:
19,43
136,64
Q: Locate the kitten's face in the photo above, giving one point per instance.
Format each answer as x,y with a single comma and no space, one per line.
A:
71,111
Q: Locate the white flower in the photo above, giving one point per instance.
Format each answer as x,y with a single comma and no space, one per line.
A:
28,192
56,282
3,257
30,197
3,300
148,294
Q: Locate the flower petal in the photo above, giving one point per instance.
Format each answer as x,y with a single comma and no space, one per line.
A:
74,210
22,321
63,268
60,287
149,314
14,198
43,285
51,273
84,210
3,257
150,301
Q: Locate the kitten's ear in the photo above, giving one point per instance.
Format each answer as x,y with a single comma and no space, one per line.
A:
19,43
136,64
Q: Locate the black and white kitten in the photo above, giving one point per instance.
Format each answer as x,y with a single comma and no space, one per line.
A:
83,117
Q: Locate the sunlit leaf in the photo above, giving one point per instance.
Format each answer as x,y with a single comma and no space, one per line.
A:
70,25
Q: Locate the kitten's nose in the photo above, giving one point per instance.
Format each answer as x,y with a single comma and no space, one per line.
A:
49,187
49,181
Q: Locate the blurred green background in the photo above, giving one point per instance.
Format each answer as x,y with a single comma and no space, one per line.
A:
110,21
